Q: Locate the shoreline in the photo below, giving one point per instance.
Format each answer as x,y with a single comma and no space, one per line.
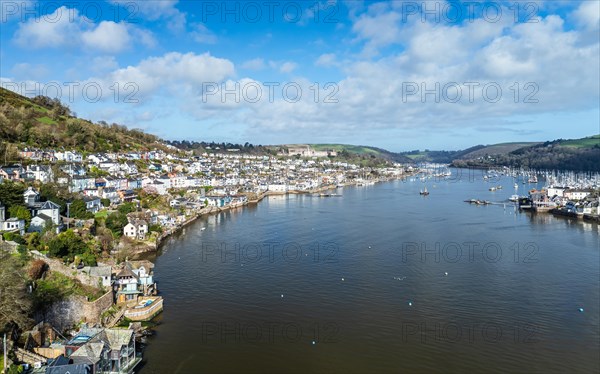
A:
215,210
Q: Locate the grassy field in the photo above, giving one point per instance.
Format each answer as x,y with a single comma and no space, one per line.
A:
416,156
62,286
588,142
361,150
47,120
101,214
495,149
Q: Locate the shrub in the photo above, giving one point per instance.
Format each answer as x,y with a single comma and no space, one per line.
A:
13,236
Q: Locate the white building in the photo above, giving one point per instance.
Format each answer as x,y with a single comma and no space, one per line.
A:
136,229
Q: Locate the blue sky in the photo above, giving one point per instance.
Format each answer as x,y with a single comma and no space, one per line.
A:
400,75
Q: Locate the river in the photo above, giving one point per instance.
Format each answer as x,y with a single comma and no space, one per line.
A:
380,280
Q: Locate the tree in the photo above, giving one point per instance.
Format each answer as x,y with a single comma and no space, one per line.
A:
115,223
14,237
50,191
155,228
126,208
15,303
79,210
105,202
66,245
20,212
11,193
105,238
33,240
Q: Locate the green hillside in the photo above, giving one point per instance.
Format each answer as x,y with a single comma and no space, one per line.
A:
495,149
42,122
573,154
587,142
363,151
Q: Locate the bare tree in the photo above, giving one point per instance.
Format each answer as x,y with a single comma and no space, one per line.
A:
15,302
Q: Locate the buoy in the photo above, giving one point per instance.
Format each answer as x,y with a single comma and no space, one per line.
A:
369,247
281,295
446,273
342,279
581,310
410,303
314,342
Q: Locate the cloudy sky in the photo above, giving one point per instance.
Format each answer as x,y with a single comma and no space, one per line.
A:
400,75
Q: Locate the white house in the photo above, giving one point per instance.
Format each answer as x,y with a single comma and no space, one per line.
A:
574,194
278,188
31,196
136,229
556,191
39,223
12,224
50,209
157,185
41,173
92,203
69,156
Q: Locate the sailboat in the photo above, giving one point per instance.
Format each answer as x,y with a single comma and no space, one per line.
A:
424,192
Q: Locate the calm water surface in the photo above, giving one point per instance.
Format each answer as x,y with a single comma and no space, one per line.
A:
364,286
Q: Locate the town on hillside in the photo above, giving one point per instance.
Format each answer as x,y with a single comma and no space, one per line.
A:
75,225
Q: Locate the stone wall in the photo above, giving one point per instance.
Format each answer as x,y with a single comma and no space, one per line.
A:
67,313
57,266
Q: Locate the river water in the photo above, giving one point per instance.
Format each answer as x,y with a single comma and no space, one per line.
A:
380,280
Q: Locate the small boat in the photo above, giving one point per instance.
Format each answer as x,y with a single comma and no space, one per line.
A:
514,198
492,189
424,192
499,187
516,186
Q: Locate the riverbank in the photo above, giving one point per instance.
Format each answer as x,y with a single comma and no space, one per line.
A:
215,210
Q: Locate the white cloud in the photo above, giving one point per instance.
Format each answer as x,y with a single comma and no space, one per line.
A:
254,64
378,28
26,70
588,15
326,60
66,28
202,34
548,62
288,67
58,29
107,37
153,10
103,64
173,71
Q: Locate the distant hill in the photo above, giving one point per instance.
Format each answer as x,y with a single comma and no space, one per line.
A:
443,157
363,150
588,142
42,122
574,154
495,149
